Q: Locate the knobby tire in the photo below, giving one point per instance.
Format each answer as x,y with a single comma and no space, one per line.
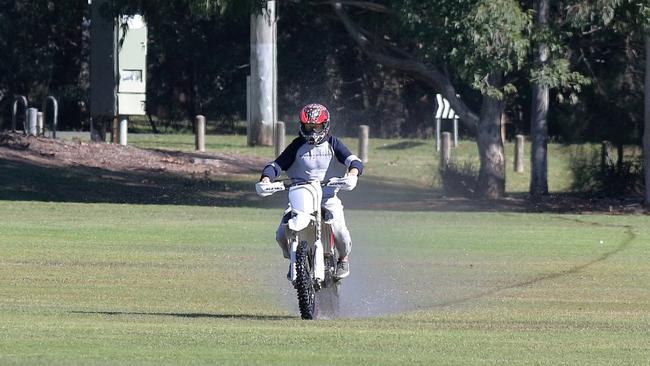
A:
305,284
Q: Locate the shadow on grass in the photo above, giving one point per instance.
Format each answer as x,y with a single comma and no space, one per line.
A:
29,181
401,145
24,180
192,315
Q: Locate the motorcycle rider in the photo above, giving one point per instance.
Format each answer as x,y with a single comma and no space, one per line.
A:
315,155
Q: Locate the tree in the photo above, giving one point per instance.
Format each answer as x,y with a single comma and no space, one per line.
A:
483,42
539,110
646,131
611,34
263,69
39,45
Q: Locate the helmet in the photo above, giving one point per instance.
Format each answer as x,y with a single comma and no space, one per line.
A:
314,123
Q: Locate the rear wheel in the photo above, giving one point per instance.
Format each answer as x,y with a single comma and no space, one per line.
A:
305,283
328,296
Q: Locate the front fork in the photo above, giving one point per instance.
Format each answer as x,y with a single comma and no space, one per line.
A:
318,259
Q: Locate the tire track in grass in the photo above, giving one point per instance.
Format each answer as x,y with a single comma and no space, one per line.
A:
625,243
373,292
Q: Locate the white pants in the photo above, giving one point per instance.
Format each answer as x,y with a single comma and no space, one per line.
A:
341,233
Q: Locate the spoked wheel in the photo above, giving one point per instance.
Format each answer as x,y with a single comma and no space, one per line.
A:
304,283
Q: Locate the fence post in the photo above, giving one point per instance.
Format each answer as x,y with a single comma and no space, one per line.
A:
364,133
445,155
31,124
605,157
199,137
519,154
278,139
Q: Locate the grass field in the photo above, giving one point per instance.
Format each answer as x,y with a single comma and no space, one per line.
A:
139,284
404,160
128,284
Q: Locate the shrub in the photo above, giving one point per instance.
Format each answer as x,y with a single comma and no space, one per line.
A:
459,179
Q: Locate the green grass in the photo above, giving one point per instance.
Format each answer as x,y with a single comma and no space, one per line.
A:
99,284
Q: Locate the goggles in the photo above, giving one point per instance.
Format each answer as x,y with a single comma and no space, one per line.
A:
312,127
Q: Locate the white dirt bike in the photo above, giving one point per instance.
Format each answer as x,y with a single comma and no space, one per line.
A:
313,263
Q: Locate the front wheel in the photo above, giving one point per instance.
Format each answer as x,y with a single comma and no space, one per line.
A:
305,283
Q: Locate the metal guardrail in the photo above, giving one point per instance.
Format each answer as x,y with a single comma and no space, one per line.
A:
14,116
55,113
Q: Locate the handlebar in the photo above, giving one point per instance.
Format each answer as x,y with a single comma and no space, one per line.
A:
346,183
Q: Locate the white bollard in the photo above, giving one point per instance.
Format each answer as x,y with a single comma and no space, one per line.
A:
124,122
31,125
39,123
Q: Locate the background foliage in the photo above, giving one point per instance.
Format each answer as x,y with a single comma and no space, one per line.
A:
198,62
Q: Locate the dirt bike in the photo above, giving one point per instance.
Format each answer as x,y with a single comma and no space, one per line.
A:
312,263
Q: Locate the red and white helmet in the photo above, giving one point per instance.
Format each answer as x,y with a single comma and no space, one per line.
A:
314,123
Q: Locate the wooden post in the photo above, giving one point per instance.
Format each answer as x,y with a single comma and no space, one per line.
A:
519,154
445,155
605,157
199,136
364,133
278,142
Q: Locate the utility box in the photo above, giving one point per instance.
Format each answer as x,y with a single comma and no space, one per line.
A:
132,66
118,63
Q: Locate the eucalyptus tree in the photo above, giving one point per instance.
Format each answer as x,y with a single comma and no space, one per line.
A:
481,43
487,45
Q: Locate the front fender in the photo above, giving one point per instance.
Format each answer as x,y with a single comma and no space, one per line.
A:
299,220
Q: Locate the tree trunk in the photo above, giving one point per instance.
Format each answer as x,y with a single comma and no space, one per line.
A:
263,75
98,128
491,182
646,131
492,173
539,136
539,112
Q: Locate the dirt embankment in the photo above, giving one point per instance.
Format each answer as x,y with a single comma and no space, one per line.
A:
60,153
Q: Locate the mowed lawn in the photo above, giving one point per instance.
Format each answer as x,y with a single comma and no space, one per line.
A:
102,284
411,161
